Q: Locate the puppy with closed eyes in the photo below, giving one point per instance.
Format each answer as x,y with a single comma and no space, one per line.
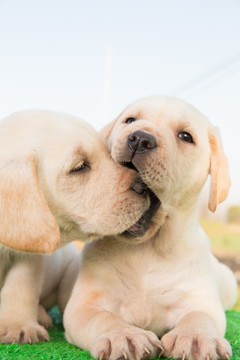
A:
57,184
164,281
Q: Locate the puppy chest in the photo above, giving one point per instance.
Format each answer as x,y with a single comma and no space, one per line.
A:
136,309
148,307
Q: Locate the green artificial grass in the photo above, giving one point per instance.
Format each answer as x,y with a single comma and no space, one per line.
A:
59,349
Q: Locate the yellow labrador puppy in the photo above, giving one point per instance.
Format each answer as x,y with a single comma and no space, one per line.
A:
165,282
57,184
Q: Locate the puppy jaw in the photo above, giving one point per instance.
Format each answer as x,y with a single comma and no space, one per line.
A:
155,224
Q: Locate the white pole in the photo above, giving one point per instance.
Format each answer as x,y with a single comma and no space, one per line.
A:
107,82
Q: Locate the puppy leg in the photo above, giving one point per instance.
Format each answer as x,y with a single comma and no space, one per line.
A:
195,337
67,283
19,303
90,326
226,282
43,318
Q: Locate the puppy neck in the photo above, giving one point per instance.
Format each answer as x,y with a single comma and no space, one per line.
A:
174,232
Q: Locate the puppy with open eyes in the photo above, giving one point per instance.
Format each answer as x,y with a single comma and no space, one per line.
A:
163,281
57,184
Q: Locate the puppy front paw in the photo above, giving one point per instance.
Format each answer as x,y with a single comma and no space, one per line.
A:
179,345
28,333
130,343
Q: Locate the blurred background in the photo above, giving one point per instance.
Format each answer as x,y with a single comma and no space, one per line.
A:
92,58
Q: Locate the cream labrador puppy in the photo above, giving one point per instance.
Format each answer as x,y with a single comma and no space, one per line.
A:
165,282
57,184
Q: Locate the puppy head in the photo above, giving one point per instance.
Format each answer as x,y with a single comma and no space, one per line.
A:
173,147
58,183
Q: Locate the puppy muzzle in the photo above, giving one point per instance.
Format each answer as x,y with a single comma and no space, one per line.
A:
140,142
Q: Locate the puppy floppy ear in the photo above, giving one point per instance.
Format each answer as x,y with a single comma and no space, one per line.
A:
219,170
26,223
106,131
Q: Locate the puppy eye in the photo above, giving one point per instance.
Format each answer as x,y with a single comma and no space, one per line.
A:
130,120
185,136
79,167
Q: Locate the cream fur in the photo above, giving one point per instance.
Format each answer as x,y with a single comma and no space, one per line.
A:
166,283
45,205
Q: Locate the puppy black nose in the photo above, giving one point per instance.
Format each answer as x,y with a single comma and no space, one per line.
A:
140,142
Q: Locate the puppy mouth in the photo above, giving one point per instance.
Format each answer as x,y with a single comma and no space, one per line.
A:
143,224
129,165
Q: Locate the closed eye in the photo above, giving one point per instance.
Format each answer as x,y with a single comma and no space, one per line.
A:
80,167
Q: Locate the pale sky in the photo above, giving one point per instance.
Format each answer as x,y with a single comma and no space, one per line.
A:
52,56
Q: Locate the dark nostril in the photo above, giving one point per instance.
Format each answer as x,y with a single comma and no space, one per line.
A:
140,142
133,139
148,144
